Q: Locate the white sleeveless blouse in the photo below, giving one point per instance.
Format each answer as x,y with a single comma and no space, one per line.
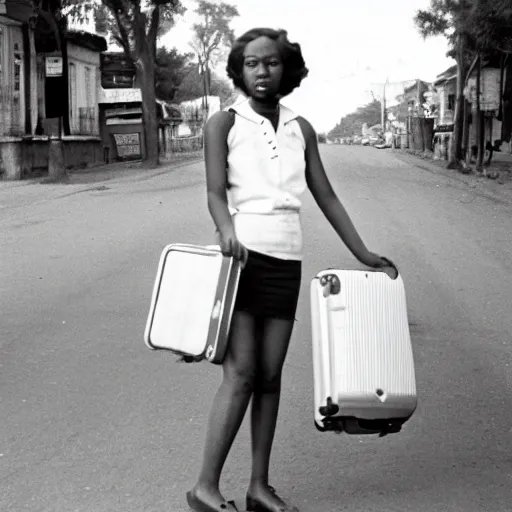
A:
266,176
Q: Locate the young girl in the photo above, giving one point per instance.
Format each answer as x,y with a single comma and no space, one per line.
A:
260,157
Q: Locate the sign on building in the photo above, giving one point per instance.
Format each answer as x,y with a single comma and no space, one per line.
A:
489,89
128,146
53,65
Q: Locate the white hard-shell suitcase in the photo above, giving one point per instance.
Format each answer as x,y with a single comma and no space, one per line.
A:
364,375
192,302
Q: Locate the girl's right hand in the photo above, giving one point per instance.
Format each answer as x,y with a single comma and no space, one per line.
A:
231,246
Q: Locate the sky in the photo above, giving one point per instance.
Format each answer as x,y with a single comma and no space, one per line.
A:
350,47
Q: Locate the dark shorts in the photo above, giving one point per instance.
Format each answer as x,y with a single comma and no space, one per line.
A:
269,287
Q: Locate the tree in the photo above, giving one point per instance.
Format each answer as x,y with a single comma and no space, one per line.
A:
474,28
211,36
352,123
192,87
490,28
172,68
451,18
136,25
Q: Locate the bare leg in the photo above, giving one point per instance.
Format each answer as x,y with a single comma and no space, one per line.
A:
271,356
229,406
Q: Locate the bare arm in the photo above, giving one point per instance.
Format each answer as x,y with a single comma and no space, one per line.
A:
216,154
325,197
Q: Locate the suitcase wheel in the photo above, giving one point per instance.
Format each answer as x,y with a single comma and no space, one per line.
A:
331,284
330,409
330,425
319,427
358,426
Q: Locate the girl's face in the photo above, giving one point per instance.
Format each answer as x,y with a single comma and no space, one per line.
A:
263,69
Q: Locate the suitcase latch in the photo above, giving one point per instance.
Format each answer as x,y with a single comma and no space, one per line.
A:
331,284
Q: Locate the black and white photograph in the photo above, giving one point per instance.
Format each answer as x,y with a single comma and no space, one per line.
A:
255,256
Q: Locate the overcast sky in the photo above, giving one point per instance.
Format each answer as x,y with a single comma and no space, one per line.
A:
350,47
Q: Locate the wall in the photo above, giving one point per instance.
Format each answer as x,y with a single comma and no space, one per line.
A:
79,152
12,78
84,82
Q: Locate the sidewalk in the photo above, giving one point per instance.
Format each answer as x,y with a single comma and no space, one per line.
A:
499,190
15,194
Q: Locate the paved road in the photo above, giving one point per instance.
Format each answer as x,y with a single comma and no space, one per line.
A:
92,421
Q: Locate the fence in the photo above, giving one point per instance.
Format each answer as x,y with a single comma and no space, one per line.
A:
182,144
10,112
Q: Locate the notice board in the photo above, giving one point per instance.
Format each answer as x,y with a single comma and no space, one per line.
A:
128,146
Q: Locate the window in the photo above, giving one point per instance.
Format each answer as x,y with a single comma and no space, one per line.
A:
72,94
451,101
17,68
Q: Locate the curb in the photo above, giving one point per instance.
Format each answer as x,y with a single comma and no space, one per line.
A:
27,192
487,188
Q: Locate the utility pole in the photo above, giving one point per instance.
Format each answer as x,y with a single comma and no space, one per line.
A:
383,106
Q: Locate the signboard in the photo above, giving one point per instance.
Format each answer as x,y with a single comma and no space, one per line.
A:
128,146
53,65
489,87
120,96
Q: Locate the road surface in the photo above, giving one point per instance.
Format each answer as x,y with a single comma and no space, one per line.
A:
93,421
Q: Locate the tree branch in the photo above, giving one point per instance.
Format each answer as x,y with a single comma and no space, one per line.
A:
153,28
49,17
122,43
123,38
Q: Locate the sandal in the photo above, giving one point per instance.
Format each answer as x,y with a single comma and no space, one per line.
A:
255,505
200,506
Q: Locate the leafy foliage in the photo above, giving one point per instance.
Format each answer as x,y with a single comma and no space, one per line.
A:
485,24
172,68
352,123
449,18
213,34
492,26
214,31
131,23
192,87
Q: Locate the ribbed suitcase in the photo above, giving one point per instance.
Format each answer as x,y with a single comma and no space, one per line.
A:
364,375
192,302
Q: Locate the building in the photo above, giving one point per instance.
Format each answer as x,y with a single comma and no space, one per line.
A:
495,113
17,70
446,87
44,94
412,99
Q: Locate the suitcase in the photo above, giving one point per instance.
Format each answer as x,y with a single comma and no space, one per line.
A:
364,375
192,302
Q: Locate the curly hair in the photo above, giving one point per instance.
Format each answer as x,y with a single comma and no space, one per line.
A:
294,67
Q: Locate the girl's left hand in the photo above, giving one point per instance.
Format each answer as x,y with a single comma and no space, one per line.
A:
375,261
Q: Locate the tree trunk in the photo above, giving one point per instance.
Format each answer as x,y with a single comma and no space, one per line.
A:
56,165
146,69
456,146
65,76
465,131
478,120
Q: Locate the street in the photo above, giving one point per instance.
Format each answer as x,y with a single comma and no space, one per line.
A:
93,421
